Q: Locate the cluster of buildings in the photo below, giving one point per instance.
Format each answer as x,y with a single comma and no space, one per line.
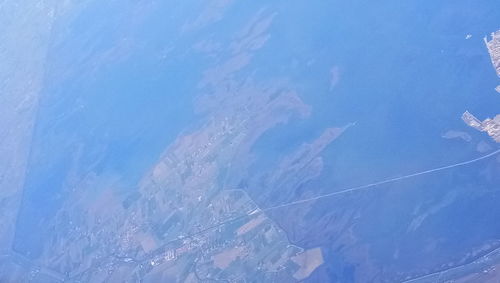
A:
489,125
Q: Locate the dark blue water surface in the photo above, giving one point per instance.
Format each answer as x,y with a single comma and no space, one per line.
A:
113,118
121,80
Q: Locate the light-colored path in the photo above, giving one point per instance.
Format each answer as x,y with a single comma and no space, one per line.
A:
386,181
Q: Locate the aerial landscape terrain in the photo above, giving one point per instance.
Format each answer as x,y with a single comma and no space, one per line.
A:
249,141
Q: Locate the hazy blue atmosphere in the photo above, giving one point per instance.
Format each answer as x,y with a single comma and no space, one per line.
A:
156,141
